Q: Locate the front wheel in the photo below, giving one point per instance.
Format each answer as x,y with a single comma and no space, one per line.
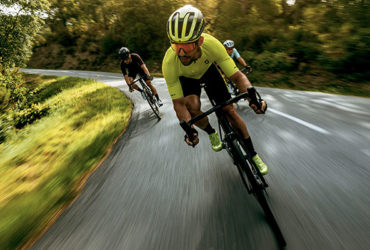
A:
261,198
254,183
152,102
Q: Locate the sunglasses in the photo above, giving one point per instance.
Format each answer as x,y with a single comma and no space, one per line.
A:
186,47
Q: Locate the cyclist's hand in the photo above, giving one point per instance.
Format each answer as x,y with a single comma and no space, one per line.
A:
249,68
133,87
194,140
256,102
257,110
148,77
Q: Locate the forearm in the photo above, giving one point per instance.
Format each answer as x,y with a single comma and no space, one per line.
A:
241,81
242,62
146,71
181,110
127,79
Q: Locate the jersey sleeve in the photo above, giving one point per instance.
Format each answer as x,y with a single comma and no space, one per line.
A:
137,59
235,54
223,59
171,76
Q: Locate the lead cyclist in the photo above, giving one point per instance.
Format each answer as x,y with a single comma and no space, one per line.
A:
192,60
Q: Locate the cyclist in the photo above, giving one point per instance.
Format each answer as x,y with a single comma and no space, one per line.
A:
135,65
233,52
191,60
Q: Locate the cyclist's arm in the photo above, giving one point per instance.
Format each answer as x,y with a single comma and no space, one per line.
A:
127,79
146,71
181,110
242,62
241,81
124,73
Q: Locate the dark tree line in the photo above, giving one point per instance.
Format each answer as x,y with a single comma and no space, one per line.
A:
273,35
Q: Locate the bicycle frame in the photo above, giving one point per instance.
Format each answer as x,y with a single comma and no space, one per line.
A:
149,97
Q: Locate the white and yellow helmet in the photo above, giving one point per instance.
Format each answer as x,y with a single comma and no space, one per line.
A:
185,25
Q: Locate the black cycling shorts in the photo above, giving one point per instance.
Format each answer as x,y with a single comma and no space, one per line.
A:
215,85
140,72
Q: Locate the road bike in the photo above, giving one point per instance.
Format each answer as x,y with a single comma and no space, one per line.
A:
150,98
251,177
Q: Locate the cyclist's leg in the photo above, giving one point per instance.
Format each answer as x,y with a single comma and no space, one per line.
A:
217,90
237,122
191,89
131,78
149,83
151,86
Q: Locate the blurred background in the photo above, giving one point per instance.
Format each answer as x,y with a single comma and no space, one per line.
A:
304,44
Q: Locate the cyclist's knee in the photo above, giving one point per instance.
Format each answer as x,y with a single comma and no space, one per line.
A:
192,103
230,110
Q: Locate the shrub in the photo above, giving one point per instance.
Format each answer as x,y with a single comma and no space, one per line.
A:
4,98
2,131
274,62
28,115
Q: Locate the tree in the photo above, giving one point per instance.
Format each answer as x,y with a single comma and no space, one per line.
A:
18,30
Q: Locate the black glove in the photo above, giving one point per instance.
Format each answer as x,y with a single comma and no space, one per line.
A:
190,136
255,99
147,77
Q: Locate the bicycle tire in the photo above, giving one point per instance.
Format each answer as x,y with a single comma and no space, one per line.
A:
151,101
251,178
258,189
261,198
233,148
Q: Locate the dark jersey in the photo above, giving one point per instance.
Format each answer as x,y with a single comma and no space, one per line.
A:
133,68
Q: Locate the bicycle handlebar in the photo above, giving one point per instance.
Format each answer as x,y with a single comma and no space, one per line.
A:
246,70
135,81
140,78
186,126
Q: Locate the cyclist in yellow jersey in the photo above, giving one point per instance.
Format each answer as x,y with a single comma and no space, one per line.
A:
192,60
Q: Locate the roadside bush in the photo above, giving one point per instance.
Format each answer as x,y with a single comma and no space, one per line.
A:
28,115
18,101
269,61
2,131
4,98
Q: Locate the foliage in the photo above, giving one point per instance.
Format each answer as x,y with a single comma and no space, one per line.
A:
18,31
28,115
19,103
331,34
269,61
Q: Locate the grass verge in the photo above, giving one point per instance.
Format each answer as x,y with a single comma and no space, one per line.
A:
42,165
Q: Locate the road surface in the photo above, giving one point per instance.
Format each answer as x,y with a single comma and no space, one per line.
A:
154,192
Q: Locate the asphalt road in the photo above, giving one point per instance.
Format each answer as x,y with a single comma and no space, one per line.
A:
154,192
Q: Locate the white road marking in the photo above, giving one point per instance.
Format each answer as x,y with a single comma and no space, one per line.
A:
297,120
348,107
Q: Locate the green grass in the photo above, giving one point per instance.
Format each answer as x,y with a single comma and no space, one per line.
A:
43,164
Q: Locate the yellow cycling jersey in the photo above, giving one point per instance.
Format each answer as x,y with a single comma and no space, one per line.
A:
212,51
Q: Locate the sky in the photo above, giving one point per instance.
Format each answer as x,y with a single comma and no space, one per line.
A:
9,10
